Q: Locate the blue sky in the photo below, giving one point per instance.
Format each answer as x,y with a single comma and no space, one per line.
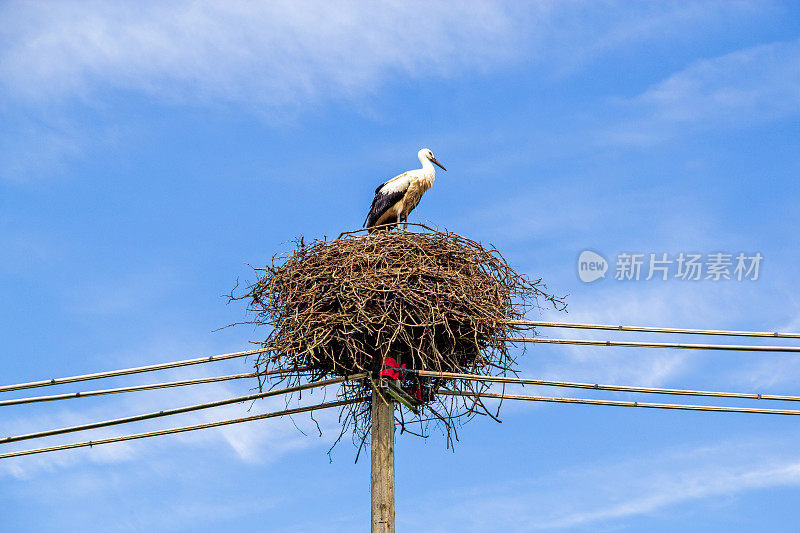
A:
149,151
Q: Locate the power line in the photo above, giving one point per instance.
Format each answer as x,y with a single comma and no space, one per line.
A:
647,329
137,388
620,403
595,386
178,410
626,344
127,371
171,431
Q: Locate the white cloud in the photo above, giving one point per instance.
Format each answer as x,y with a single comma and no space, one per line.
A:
278,58
744,87
671,488
283,52
64,65
650,23
762,81
253,442
779,375
259,442
593,494
264,53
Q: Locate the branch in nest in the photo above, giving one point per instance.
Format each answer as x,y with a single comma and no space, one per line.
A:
431,300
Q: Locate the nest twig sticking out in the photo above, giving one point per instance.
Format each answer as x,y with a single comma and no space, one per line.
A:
430,300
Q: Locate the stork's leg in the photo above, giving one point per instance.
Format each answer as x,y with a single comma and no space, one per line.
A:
405,223
397,226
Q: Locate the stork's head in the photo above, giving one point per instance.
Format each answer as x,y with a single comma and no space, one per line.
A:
426,155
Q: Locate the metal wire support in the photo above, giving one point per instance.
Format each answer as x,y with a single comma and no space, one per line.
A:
597,386
620,403
649,329
127,371
676,345
171,431
137,388
179,410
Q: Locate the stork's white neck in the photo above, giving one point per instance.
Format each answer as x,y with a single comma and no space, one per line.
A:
427,166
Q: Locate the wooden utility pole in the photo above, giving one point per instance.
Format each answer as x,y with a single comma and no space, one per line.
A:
382,511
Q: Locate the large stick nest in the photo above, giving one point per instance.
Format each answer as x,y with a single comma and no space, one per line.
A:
430,300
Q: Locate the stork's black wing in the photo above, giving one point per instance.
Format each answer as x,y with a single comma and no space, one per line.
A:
382,202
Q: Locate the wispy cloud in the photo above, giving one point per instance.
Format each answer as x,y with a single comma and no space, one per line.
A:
597,494
762,81
254,443
262,53
744,87
621,25
64,65
59,61
285,52
251,443
773,373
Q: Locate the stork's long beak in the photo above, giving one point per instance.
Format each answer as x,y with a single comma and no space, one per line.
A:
435,162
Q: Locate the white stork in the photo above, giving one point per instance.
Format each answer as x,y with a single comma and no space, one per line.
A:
396,198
